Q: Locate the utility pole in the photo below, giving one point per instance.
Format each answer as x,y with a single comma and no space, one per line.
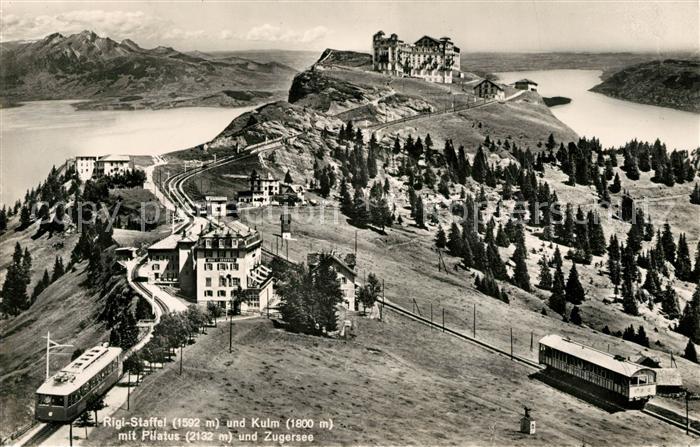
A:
128,389
531,340
381,309
230,331
511,343
687,419
356,246
50,344
180,359
474,326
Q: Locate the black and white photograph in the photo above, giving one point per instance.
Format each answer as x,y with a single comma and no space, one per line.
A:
357,223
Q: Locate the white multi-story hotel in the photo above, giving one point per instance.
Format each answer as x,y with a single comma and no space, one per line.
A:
112,165
91,166
428,58
223,265
85,166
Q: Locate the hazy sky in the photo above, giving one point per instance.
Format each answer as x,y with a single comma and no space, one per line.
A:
528,26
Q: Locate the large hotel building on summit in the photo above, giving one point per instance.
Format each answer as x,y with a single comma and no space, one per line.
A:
435,60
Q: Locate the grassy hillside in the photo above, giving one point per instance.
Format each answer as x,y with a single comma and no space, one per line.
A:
668,83
69,312
381,388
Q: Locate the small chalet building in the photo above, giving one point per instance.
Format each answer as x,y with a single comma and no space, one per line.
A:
291,194
526,84
262,189
216,206
346,275
489,90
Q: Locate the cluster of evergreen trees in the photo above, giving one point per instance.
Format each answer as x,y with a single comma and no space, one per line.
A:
639,336
46,280
14,289
309,296
354,163
364,211
324,179
570,291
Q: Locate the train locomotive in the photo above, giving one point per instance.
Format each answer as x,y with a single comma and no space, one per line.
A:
66,394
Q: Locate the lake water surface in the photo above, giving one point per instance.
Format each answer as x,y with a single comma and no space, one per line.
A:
41,134
613,121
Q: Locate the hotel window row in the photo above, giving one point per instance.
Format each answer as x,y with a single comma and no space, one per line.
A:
221,266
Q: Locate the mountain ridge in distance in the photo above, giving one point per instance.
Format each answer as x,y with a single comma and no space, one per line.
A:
124,75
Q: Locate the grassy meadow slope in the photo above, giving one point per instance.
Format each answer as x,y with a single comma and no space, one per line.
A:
397,383
65,309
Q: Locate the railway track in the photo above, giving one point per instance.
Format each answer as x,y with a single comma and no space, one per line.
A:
676,420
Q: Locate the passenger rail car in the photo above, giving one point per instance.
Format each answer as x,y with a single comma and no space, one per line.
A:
66,394
613,376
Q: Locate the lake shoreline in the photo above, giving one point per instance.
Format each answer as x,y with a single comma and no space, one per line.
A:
41,134
613,121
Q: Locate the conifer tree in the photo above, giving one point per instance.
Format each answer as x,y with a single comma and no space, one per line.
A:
694,196
24,217
397,146
574,292
360,214
557,300
575,316
566,229
419,213
683,263
689,323
346,202
521,277
668,244
494,262
14,289
501,237
440,238
288,178
3,219
545,276
616,185
596,236
454,240
670,303
467,256
689,353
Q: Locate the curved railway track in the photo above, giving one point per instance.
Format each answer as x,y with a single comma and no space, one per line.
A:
174,191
